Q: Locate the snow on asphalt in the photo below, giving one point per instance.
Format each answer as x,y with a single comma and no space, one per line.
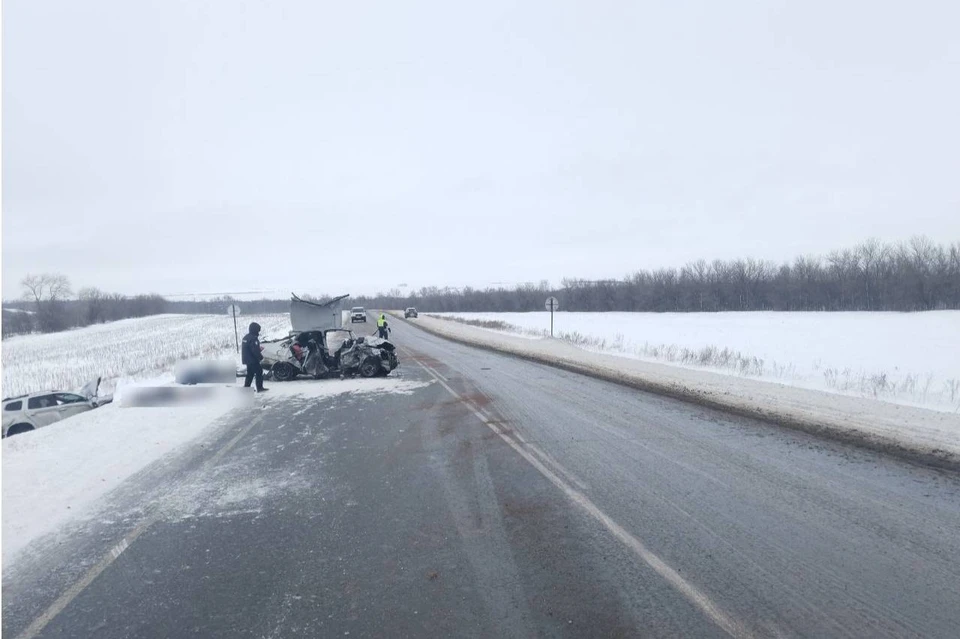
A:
57,473
62,472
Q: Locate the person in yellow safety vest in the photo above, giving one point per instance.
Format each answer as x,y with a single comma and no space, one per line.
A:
382,326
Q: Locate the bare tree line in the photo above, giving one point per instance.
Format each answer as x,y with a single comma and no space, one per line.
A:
49,305
911,276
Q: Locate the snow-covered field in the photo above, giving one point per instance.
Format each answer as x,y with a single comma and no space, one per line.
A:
133,349
905,358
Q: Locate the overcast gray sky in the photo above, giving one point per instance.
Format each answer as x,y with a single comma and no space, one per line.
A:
335,147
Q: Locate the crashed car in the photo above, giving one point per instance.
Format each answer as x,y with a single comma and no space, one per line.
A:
300,353
361,355
328,353
24,413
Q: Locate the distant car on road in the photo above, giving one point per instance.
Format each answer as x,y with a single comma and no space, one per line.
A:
410,312
358,314
35,410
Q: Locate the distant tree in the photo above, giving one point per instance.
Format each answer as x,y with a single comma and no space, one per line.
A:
17,322
48,293
93,305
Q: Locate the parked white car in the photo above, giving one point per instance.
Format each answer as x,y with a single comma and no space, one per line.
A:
35,410
358,314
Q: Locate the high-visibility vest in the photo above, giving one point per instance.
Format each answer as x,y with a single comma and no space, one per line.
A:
381,321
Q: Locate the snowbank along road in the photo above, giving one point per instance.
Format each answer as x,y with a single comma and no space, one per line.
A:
930,437
485,495
904,358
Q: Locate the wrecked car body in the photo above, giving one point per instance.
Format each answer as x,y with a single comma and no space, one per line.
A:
329,353
319,346
363,356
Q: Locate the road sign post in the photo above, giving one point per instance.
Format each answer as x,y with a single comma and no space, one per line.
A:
552,304
234,310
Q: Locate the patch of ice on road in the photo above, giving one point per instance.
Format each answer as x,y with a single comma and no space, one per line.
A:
315,389
233,489
238,493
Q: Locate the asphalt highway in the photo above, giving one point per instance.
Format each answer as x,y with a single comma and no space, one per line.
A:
494,497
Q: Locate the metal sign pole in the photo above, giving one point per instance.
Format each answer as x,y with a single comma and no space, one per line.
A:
551,305
236,335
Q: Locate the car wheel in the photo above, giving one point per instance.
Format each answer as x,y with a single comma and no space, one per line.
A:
284,371
370,367
16,429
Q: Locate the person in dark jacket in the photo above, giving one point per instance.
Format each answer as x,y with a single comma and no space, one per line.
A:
251,357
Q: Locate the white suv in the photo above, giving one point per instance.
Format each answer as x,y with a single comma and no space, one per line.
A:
29,412
358,314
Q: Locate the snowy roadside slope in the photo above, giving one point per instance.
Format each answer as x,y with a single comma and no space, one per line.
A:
928,436
62,473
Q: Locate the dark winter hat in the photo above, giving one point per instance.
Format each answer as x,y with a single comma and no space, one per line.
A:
254,327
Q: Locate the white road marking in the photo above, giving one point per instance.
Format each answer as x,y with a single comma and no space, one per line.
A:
434,372
429,369
553,463
64,600
114,553
119,548
544,457
698,598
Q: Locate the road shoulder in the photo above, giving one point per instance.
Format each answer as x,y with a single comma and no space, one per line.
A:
928,437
